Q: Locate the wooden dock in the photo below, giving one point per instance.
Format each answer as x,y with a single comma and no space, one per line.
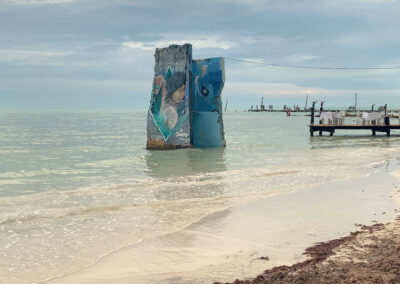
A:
330,128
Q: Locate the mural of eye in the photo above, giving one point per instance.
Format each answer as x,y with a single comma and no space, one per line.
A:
204,91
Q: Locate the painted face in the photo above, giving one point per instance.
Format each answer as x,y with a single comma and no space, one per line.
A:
179,94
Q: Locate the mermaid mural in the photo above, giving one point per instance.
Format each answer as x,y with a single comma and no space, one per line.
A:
170,102
185,107
168,123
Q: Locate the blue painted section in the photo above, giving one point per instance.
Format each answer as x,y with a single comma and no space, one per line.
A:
207,130
208,77
208,81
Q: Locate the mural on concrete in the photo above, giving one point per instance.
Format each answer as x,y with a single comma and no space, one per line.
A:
168,118
170,100
185,106
209,78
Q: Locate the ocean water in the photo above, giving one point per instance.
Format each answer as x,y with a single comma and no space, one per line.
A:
77,186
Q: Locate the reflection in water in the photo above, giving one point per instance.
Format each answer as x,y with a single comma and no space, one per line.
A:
165,164
349,141
189,173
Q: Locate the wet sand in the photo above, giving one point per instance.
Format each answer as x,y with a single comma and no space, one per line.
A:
370,255
244,240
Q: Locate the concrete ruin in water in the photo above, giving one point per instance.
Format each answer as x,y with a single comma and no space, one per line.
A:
185,107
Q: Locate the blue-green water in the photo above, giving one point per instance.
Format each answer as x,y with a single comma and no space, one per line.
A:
77,185
50,151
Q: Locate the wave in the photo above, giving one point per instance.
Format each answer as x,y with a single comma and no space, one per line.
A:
149,191
298,171
61,213
45,171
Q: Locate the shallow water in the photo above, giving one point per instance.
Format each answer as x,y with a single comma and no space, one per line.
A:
76,186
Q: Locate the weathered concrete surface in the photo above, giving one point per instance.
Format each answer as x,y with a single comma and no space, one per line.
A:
185,107
208,82
208,131
168,120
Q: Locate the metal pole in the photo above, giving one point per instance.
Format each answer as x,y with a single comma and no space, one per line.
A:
355,104
321,109
306,103
312,118
312,111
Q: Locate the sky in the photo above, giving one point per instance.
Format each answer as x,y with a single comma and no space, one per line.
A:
100,53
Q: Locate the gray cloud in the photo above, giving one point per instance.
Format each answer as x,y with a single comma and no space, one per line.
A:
61,46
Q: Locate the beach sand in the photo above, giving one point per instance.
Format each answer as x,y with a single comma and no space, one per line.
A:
368,255
244,240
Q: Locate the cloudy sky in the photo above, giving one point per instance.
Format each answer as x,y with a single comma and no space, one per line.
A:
100,53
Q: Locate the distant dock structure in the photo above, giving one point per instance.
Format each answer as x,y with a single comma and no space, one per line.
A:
285,108
351,118
330,121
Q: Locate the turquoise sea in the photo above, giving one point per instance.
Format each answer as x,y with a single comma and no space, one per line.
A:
77,185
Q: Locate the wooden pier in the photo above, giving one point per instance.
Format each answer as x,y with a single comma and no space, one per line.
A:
330,128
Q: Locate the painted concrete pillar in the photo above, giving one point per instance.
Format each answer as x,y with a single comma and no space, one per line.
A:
185,106
168,119
208,82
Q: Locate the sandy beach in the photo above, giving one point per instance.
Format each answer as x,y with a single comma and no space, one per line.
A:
271,233
368,255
